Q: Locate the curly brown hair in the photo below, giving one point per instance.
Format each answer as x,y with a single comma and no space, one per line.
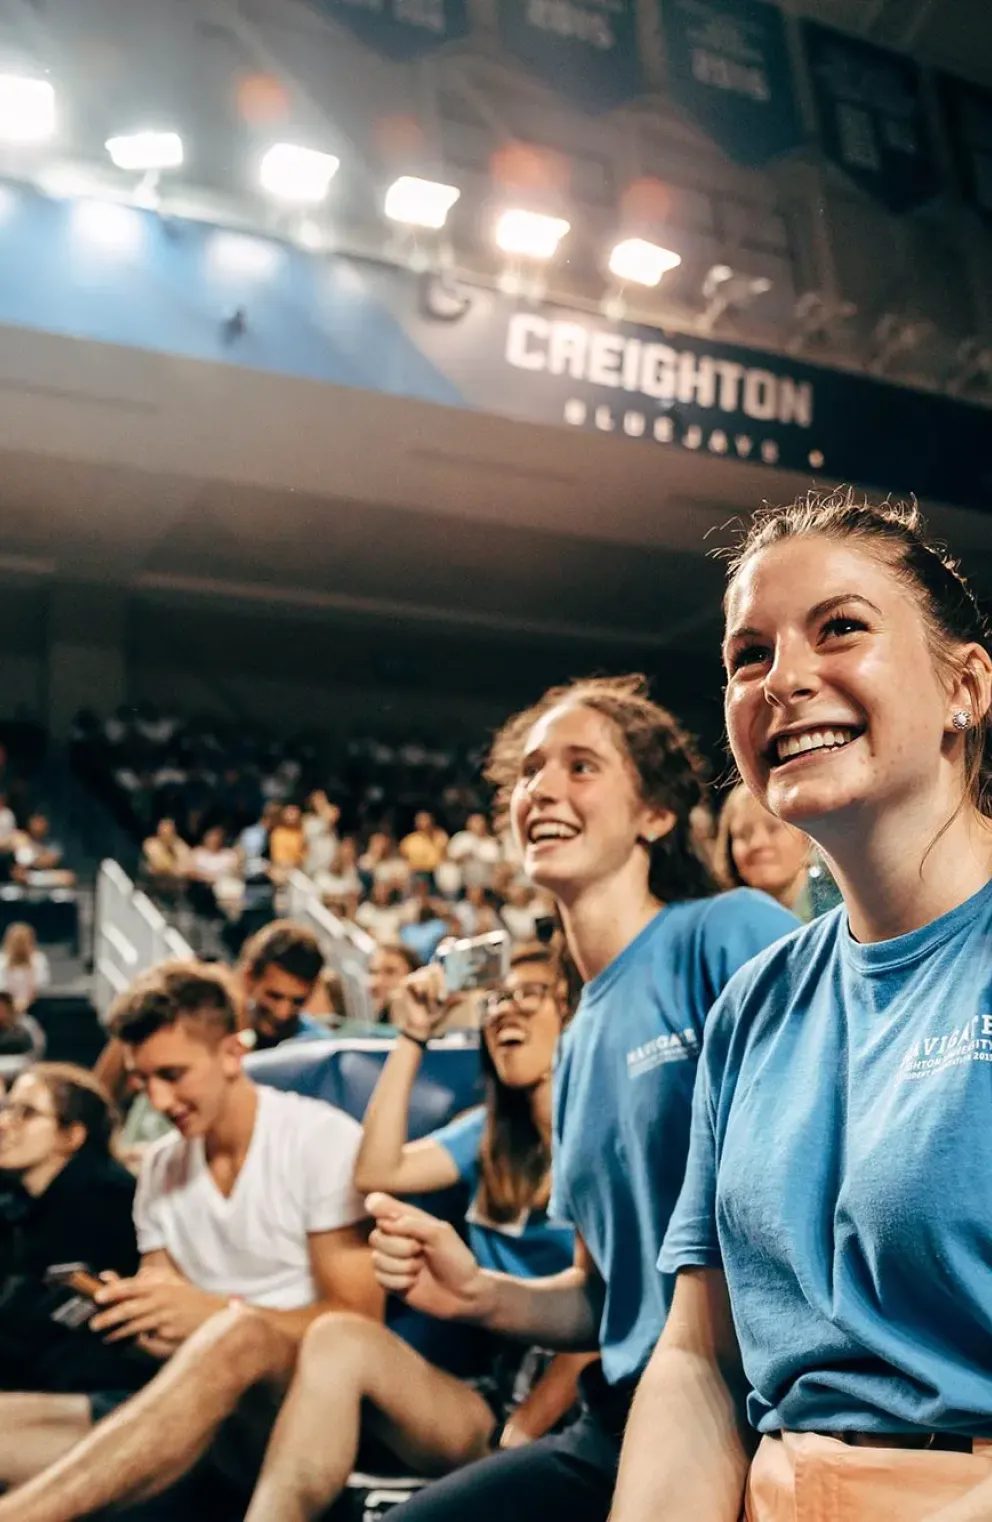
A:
897,533
669,769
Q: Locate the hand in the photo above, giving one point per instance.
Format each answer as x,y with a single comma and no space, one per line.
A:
425,1262
418,1005
157,1304
514,1436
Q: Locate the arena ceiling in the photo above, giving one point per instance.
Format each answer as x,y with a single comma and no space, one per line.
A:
173,479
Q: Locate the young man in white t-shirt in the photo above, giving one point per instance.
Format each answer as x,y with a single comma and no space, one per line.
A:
249,1227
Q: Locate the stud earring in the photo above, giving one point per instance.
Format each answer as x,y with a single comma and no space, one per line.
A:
961,718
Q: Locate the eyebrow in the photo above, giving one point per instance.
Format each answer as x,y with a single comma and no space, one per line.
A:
844,599
570,750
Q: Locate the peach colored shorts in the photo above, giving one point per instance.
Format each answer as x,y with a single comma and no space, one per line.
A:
802,1477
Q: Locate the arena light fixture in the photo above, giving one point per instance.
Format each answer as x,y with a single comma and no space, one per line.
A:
530,234
420,203
638,262
146,152
27,109
301,175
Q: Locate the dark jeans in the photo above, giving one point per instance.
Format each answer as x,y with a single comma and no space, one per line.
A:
570,1475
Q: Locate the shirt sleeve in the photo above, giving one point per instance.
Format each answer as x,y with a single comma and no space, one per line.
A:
461,1138
738,926
330,1143
691,1239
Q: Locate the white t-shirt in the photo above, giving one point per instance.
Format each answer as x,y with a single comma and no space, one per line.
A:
295,1180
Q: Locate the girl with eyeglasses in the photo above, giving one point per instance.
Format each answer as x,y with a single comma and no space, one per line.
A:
501,1151
601,786
63,1199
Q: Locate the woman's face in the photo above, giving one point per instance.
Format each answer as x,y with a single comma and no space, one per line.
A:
522,1026
834,705
767,853
30,1135
576,812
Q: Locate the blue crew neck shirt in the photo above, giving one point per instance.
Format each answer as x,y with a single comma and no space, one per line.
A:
623,1095
529,1247
838,1174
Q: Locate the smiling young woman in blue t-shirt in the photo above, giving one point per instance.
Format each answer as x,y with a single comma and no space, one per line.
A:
600,785
832,1238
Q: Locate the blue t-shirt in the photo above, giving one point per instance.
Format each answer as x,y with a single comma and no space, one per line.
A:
623,1095
838,1172
529,1247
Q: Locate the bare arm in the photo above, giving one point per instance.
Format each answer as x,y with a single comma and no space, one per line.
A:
161,1306
386,1160
551,1398
425,1261
687,1441
342,1271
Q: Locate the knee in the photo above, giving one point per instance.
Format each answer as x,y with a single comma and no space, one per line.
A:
337,1341
249,1344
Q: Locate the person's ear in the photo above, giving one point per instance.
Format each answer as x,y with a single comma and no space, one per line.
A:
656,823
232,1051
970,696
73,1137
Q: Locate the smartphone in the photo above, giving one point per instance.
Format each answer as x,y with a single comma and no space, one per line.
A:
75,1276
78,1305
478,961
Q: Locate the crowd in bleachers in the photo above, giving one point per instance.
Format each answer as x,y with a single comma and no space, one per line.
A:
226,814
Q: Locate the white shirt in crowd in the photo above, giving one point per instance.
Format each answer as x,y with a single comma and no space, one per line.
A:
295,1181
23,982
477,855
382,921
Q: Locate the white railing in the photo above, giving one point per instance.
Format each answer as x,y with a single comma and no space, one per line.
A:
129,936
346,948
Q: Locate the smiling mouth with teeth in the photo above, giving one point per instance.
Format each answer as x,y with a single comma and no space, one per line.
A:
835,737
550,829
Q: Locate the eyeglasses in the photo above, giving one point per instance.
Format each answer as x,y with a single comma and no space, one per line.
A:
11,1109
526,999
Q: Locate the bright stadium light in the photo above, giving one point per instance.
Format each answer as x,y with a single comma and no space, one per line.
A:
530,234
298,174
420,203
638,262
146,152
27,109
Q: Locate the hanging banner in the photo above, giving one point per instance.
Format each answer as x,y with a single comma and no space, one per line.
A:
400,29
728,68
873,121
968,109
585,49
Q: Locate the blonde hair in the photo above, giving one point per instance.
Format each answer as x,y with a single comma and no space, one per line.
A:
19,944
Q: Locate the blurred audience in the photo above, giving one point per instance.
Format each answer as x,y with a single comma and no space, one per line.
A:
388,966
424,848
380,915
754,849
24,969
288,842
22,1041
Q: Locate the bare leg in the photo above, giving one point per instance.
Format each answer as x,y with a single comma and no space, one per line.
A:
35,1430
159,1435
430,1419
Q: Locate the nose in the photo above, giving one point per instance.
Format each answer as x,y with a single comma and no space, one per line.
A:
547,784
792,675
160,1095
